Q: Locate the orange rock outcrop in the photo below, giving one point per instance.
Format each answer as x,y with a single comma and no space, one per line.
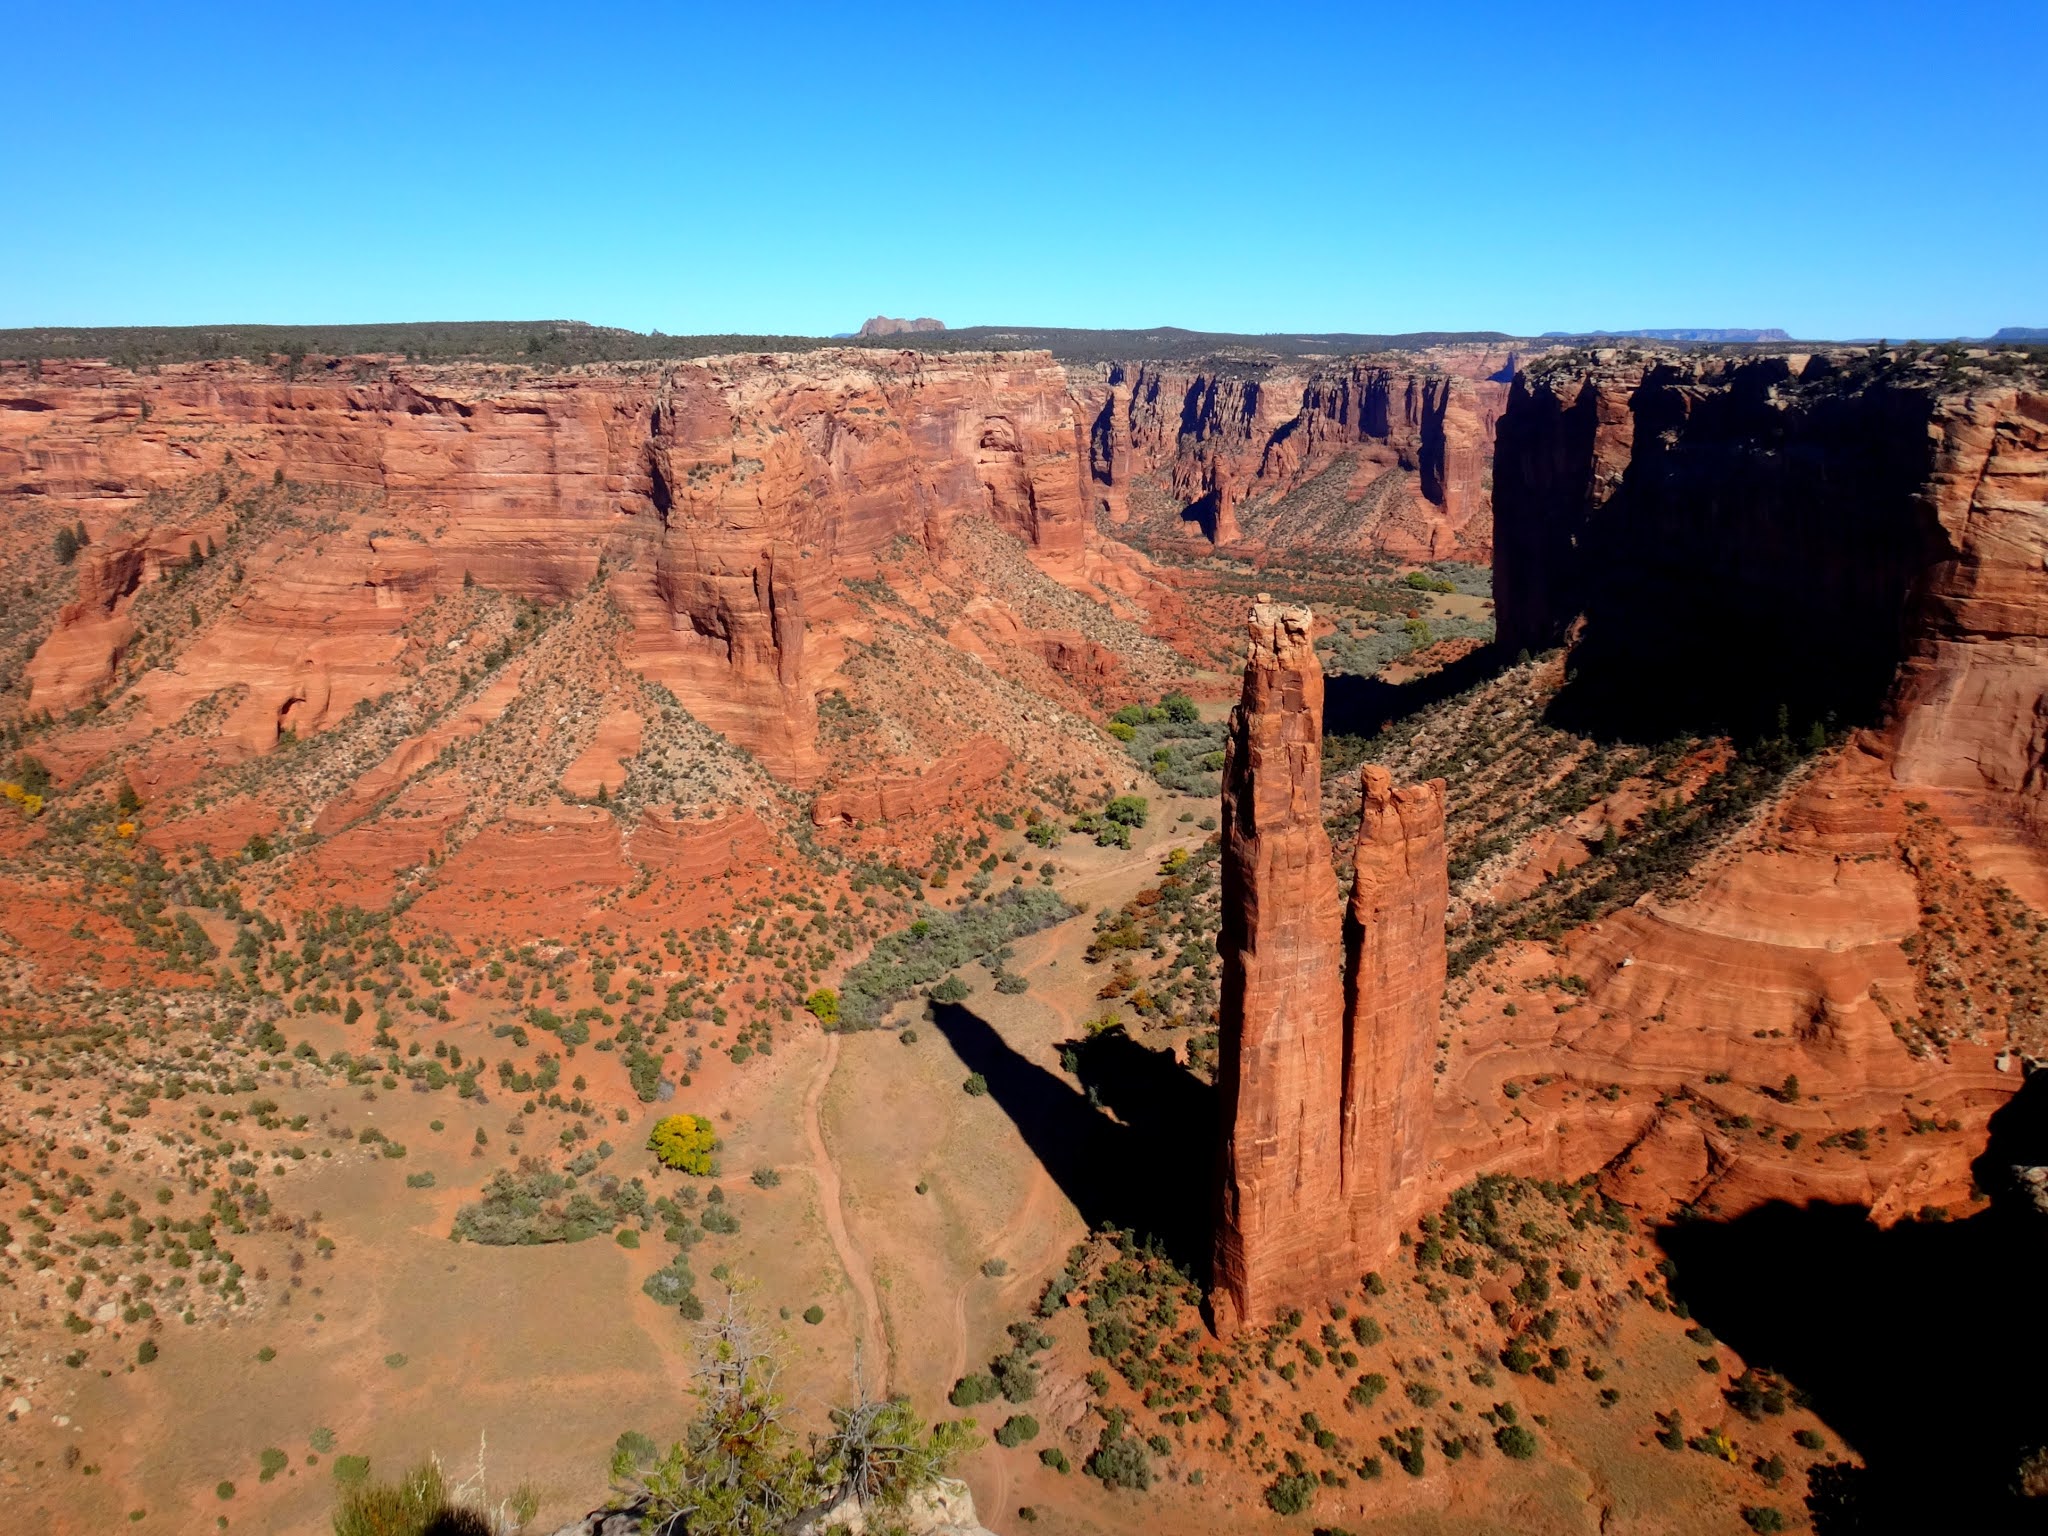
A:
727,500
1229,444
1394,986
1324,1075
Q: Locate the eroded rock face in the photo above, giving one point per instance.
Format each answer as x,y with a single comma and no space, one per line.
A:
1786,533
1281,1053
1394,985
726,500
1326,1031
1227,445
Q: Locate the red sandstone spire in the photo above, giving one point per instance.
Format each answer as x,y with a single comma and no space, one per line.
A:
1394,983
1326,1073
1282,1007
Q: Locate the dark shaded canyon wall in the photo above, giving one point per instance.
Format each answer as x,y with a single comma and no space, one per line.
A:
1779,534
1328,1022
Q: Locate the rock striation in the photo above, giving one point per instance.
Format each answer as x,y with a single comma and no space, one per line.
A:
1409,436
1825,534
725,501
1326,1022
1394,983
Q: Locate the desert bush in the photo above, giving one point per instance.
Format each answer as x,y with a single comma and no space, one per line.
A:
972,1389
1515,1441
1290,1493
530,1207
1119,1460
1016,1429
814,1314
684,1142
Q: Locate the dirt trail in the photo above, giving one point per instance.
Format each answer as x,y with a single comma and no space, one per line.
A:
875,1335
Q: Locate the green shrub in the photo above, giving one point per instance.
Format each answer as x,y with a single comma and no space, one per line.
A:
814,1314
1127,810
941,941
1119,1460
1052,1456
224,1489
1017,1428
1515,1441
976,1085
1763,1519
766,1178
272,1462
351,1471
529,1208
1290,1493
972,1389
145,1352
627,1237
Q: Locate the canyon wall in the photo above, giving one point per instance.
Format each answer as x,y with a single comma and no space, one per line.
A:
728,500
1324,1083
1231,446
1811,535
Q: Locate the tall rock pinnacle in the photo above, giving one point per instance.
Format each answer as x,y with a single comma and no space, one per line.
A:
1282,1006
1326,1027
1394,982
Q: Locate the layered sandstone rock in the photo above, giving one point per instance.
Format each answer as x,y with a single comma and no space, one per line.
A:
884,325
1805,533
725,501
950,782
1394,984
1281,1052
1414,435
1324,1070
1812,538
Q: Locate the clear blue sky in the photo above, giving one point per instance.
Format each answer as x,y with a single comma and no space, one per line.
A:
1839,169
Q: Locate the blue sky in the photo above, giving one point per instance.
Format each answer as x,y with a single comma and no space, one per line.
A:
1839,169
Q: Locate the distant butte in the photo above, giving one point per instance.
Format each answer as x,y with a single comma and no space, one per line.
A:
882,325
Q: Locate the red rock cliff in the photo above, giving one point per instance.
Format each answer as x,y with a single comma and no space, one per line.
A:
1834,535
727,499
1229,447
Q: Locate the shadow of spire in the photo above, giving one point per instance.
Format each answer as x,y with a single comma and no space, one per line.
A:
1133,1146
